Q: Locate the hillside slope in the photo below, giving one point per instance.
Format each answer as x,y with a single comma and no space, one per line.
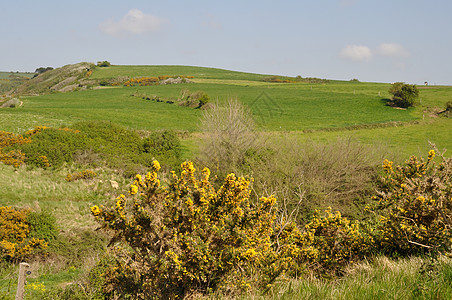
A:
64,79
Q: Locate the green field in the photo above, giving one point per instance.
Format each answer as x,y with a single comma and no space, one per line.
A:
347,108
197,72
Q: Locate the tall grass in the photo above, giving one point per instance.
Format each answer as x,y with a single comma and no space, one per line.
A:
412,278
48,190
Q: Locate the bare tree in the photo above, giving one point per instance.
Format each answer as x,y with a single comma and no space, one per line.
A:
229,133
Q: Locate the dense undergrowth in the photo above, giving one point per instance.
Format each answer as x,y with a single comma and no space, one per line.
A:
265,223
90,143
187,238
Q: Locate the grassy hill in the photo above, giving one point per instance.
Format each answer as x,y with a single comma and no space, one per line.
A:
197,72
309,110
66,78
11,80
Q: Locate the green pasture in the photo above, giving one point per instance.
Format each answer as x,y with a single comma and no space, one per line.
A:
289,107
152,71
316,111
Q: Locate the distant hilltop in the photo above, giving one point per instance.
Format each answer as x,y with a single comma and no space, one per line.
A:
64,79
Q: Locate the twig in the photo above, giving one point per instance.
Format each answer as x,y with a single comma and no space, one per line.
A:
419,244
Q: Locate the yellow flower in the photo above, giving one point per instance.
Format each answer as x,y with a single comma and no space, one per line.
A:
431,154
206,173
268,200
421,199
133,189
387,165
156,165
96,210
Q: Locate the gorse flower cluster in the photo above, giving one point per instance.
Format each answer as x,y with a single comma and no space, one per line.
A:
16,157
331,241
15,243
415,206
12,157
189,237
86,174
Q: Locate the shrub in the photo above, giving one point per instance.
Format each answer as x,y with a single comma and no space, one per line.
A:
309,176
414,202
43,226
9,139
41,70
87,174
118,147
203,100
93,142
103,64
330,242
165,147
404,95
276,79
189,237
448,109
15,240
142,81
229,134
12,157
161,142
104,82
52,147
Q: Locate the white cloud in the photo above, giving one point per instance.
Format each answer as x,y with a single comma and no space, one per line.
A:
356,53
392,49
134,22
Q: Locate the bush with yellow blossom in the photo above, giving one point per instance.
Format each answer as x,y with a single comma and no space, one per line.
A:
331,241
190,237
414,204
15,240
12,157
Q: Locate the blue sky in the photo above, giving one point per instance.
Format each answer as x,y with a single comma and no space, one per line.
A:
381,41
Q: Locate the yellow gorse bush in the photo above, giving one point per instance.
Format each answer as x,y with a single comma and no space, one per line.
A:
14,230
86,174
16,157
13,157
331,241
415,206
188,236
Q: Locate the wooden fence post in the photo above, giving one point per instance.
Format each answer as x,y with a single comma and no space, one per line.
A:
23,267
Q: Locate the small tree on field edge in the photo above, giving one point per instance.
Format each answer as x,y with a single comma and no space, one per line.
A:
404,95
